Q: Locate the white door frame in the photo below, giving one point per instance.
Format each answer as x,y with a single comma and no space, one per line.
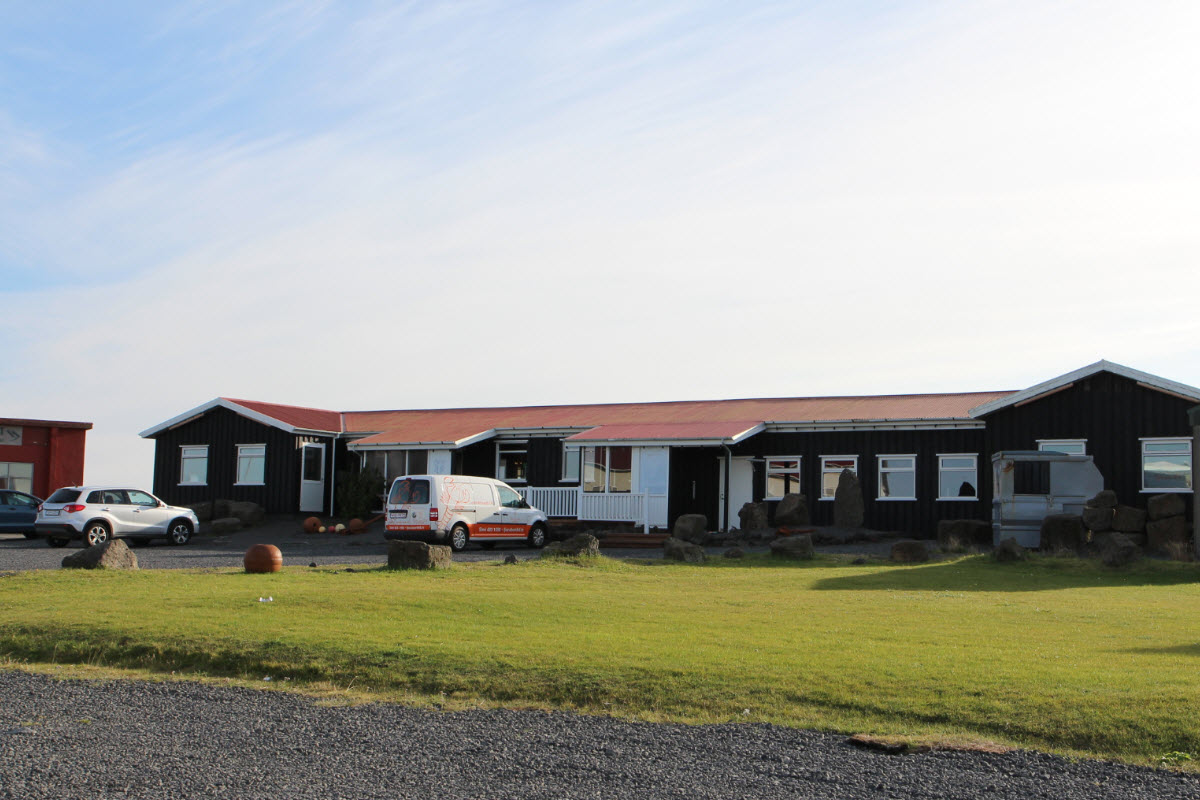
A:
312,492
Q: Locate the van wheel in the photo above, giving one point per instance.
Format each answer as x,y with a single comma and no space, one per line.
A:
537,536
458,538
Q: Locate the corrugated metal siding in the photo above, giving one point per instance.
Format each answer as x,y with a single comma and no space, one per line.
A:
917,517
222,430
1111,412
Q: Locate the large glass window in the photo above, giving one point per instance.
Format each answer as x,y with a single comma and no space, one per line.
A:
16,475
1167,465
608,469
313,463
897,477
512,459
958,476
831,472
193,465
251,463
783,477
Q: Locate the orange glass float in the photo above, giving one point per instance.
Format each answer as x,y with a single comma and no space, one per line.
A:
311,525
263,558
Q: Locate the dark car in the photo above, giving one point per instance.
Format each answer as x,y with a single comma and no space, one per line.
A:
17,512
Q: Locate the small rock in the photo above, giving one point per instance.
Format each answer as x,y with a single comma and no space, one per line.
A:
113,554
1008,550
797,548
679,550
910,551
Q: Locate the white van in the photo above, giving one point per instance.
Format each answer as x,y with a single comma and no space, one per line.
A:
456,509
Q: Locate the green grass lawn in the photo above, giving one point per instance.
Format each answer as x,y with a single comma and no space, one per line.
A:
1054,654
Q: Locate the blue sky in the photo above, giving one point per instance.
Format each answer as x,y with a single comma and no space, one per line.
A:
582,202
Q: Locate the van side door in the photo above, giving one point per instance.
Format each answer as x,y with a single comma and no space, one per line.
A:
517,516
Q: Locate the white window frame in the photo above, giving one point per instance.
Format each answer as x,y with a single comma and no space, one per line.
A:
826,471
943,469
798,472
238,464
607,467
184,457
880,470
1073,447
565,475
1181,440
512,446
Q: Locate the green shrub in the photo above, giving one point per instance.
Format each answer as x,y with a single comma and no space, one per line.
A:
358,493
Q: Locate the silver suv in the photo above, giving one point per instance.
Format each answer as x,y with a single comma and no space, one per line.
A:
98,513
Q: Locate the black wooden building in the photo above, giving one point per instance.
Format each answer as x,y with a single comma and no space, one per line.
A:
919,458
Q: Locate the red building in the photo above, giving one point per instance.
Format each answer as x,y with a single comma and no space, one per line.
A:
38,456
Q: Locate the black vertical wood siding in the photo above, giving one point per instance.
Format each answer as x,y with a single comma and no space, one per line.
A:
918,517
1110,411
222,431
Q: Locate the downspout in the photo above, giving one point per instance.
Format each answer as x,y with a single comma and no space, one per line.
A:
728,469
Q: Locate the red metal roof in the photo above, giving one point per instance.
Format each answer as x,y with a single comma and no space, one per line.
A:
457,424
312,419
727,432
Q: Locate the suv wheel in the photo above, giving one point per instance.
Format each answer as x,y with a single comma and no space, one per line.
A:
96,533
179,532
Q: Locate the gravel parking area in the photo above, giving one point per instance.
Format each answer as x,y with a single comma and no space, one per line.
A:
132,739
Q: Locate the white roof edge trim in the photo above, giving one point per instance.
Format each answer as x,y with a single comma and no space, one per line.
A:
432,445
887,424
219,402
1152,381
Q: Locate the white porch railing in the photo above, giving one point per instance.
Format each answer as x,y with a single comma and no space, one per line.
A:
574,502
554,501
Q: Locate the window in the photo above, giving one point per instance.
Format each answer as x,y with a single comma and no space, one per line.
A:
193,465
1072,447
897,477
16,475
139,498
1167,465
608,469
831,472
958,476
509,498
511,461
413,491
312,463
783,477
251,463
570,463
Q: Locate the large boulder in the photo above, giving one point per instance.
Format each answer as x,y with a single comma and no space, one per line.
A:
1161,506
691,528
796,548
1008,550
848,506
1169,536
1104,499
1098,519
249,513
1116,550
226,525
962,534
752,516
581,544
792,512
113,554
679,550
910,551
1129,520
1063,533
220,508
403,554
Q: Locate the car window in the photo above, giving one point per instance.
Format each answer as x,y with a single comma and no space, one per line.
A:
508,497
93,497
114,497
18,499
65,496
140,498
4,499
410,491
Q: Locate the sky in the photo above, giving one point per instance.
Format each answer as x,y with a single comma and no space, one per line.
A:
372,205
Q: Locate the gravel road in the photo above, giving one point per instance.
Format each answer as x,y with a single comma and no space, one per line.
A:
132,739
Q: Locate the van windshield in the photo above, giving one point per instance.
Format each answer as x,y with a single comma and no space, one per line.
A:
410,491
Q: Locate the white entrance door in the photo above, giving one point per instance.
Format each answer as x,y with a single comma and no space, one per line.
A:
741,488
439,462
312,477
653,478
